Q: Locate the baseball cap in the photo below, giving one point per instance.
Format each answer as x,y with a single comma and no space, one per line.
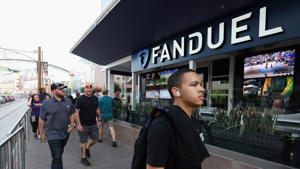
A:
42,87
57,86
105,91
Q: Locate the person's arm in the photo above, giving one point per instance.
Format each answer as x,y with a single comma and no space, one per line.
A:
71,117
42,119
29,102
98,117
79,126
71,123
41,129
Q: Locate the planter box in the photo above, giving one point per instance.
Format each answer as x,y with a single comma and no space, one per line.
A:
138,118
266,146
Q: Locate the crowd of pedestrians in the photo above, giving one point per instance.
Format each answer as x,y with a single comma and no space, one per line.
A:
163,145
54,117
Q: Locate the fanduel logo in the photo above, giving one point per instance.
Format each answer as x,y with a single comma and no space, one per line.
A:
143,56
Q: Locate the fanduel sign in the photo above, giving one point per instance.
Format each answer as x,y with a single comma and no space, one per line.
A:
228,35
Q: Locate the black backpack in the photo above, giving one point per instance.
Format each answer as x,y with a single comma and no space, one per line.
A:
140,146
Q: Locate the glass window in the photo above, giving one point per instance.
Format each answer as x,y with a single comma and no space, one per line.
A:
219,92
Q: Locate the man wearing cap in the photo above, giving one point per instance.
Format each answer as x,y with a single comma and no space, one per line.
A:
42,93
88,122
56,114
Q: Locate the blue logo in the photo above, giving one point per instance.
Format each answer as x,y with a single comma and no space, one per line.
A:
143,57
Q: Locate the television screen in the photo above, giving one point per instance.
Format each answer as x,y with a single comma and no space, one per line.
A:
270,65
164,76
152,79
152,94
276,86
164,94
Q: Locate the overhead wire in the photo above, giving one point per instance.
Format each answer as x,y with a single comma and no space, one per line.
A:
19,52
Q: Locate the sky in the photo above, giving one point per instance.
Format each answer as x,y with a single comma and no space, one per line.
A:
54,25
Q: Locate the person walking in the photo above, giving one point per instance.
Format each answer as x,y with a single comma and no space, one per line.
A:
87,117
128,107
35,104
57,113
42,93
106,104
77,96
176,134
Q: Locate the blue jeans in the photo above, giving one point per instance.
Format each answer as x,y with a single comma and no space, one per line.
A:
57,149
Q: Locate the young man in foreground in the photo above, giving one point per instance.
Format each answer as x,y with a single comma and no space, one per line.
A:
175,140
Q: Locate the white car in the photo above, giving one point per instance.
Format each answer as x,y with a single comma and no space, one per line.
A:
2,100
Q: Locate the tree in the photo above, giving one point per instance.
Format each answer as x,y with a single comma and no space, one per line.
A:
117,87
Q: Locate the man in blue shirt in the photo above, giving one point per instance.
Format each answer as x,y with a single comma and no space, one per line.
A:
56,115
106,104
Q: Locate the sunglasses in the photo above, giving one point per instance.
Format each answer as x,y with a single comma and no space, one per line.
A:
89,86
61,89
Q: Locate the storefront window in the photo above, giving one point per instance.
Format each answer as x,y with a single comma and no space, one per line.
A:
219,92
220,84
156,91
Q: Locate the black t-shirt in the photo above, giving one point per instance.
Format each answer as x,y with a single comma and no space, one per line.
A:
88,107
161,142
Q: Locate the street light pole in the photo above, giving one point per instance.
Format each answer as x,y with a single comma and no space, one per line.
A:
39,69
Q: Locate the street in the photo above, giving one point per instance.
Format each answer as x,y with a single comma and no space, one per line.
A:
10,114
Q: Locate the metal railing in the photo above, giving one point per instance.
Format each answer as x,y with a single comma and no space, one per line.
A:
13,148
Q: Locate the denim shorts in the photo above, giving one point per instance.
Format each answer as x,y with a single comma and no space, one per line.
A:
91,132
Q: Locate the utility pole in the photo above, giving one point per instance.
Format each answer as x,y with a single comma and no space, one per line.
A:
39,69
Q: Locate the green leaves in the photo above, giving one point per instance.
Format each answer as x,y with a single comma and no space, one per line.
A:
247,118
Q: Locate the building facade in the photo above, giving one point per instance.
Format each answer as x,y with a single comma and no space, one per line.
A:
245,53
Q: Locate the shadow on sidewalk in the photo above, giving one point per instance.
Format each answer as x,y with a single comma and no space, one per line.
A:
103,155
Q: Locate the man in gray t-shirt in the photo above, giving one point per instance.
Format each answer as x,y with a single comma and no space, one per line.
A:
55,115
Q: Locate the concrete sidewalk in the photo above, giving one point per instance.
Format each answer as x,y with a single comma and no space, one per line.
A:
103,155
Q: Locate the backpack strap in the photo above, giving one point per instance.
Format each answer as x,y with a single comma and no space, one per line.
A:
156,111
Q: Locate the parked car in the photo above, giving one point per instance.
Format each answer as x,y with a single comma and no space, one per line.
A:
9,98
2,100
5,99
13,98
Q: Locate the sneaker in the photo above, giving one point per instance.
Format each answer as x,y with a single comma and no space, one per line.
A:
100,141
85,162
87,153
40,140
114,144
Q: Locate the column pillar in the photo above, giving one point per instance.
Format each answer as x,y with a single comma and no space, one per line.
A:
107,85
192,65
110,83
231,82
133,92
123,86
138,88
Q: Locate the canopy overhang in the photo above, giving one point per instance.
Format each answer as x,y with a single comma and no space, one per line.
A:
131,25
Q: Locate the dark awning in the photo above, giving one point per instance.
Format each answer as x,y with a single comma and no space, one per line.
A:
136,24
